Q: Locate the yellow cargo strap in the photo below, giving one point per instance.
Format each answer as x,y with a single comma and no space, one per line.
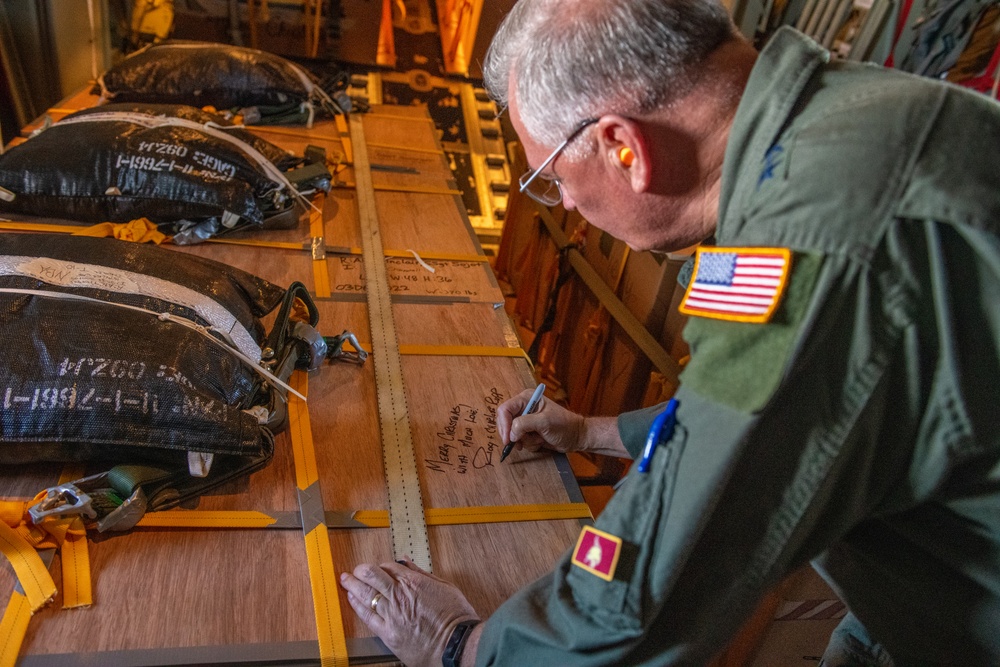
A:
452,350
282,245
454,516
77,589
140,230
13,628
444,256
418,189
409,149
205,519
464,351
15,226
71,472
19,540
445,516
412,119
270,129
345,139
31,572
322,576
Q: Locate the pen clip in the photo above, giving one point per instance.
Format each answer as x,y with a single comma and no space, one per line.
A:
664,421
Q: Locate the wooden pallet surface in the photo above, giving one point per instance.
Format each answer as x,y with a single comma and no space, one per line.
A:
169,590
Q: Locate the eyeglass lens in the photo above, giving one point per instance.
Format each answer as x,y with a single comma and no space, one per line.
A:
543,190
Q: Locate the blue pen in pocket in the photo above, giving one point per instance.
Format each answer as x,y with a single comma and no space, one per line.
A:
662,429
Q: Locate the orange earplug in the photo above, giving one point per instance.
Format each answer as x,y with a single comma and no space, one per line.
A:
626,156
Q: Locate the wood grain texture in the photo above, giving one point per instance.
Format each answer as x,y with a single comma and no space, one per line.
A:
169,588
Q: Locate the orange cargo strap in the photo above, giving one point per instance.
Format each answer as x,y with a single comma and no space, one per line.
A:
322,575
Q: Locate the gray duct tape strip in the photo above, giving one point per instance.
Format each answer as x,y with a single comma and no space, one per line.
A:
311,507
292,520
361,651
46,555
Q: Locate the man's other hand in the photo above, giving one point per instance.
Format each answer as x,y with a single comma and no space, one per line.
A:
415,611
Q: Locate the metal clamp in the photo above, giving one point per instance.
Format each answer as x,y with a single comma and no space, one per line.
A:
74,499
63,500
336,351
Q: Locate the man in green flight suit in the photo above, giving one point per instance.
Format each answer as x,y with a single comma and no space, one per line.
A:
842,402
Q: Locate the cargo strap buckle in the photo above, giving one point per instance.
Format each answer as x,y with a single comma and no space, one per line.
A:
336,350
63,500
77,499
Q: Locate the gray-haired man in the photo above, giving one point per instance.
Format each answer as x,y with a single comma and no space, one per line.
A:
840,405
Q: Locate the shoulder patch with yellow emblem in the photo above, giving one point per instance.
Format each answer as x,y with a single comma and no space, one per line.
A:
597,552
737,284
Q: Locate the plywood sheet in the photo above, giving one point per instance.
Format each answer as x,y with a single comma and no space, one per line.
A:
183,596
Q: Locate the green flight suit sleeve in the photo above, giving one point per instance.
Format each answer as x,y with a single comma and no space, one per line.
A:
763,471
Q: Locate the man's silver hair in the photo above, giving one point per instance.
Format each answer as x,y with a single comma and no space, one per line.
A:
578,59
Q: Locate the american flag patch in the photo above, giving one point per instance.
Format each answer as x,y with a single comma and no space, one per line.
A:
737,284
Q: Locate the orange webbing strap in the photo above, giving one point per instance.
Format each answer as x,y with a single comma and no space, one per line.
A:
453,350
13,628
322,576
205,519
15,226
321,273
445,516
454,516
140,230
19,542
77,587
77,584
70,472
31,572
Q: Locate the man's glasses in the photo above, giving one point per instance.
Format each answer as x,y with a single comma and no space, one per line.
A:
547,191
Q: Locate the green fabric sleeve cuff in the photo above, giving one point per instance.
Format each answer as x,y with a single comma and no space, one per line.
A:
634,426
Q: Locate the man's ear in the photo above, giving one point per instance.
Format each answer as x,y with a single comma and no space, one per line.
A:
623,145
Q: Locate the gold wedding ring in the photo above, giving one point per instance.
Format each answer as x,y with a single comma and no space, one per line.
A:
374,603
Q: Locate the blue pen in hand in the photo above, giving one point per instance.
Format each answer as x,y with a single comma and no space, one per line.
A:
662,429
528,409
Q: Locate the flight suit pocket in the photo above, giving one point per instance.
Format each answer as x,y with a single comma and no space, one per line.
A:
611,564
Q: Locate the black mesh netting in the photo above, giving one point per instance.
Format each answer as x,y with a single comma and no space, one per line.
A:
209,74
121,162
86,379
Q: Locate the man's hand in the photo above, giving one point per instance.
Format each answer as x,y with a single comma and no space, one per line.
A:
550,426
554,427
416,612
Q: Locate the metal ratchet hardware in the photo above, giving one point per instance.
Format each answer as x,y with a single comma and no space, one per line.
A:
73,499
336,351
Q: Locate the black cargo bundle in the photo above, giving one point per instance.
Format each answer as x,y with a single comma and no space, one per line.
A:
264,87
186,170
151,359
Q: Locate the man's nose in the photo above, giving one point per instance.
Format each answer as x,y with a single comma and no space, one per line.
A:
568,202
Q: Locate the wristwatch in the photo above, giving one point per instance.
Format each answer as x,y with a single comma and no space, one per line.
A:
453,649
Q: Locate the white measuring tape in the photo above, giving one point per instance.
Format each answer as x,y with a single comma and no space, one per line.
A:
406,508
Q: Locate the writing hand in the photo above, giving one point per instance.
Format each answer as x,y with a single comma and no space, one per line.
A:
550,426
416,612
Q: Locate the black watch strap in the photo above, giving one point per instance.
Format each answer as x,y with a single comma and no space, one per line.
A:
453,649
